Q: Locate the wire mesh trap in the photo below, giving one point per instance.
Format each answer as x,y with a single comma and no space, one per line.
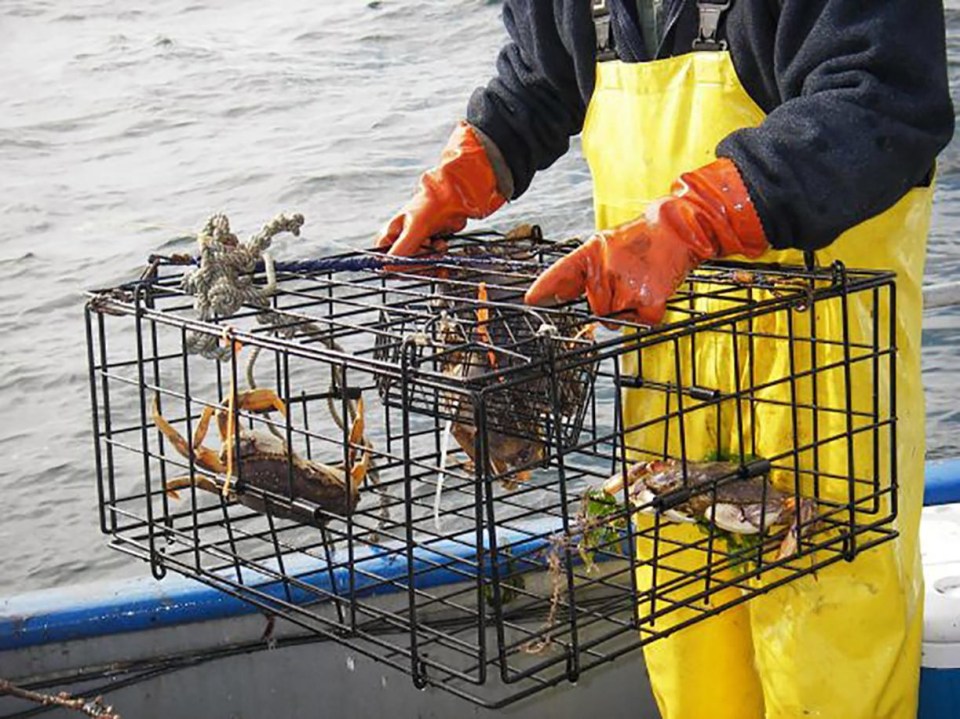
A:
492,498
471,344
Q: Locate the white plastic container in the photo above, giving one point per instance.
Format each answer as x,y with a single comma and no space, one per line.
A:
940,672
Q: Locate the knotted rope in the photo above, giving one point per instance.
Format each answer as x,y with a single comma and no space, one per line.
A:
223,281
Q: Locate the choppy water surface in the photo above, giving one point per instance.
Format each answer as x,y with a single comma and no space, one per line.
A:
121,129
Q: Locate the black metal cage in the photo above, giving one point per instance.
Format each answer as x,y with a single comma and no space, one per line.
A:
490,497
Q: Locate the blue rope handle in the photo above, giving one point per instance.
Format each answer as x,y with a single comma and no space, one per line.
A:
340,263
377,262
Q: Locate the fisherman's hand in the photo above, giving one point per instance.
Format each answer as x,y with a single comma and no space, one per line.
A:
631,270
463,186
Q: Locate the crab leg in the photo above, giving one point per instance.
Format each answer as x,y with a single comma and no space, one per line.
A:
203,456
198,480
253,400
229,435
358,470
200,433
261,400
483,317
587,331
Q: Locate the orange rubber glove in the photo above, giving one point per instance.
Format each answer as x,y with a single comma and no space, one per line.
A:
463,186
631,270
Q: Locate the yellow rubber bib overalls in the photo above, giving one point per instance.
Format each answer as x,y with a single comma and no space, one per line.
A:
844,644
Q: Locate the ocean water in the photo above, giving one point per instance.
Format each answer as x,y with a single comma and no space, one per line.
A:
123,126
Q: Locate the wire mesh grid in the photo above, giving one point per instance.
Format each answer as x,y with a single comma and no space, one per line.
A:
490,498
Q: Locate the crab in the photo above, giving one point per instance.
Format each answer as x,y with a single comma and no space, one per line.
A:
479,339
505,451
745,506
265,462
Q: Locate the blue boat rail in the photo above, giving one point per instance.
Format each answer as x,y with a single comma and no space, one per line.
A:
81,611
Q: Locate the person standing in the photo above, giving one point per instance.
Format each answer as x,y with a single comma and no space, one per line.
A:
754,129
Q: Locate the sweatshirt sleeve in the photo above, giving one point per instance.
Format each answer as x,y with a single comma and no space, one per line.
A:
537,101
866,109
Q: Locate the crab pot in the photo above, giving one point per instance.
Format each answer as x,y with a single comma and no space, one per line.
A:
490,498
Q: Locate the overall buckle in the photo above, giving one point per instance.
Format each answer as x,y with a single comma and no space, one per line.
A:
710,14
601,22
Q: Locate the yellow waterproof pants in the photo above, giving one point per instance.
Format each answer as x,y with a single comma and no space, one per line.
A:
846,643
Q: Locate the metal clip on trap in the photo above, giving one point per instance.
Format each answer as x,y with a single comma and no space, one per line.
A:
569,531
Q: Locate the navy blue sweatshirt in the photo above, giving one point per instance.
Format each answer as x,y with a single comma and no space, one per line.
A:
855,90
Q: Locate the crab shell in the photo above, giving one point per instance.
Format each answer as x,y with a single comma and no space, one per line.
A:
504,451
265,465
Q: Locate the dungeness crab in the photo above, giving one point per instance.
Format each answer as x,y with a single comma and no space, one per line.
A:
742,506
265,463
514,415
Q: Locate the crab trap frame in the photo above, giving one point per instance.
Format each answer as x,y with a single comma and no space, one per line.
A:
490,497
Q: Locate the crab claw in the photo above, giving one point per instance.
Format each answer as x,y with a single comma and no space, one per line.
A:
802,524
614,485
205,457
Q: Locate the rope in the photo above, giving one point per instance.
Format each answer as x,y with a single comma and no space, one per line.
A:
354,263
96,708
223,281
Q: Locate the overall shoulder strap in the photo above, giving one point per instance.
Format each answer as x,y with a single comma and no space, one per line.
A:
708,33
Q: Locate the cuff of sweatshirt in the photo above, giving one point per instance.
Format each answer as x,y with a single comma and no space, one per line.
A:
501,169
775,239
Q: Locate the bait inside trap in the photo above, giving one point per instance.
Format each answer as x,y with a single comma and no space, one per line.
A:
492,498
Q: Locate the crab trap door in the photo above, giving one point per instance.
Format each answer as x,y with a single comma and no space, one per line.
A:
758,431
